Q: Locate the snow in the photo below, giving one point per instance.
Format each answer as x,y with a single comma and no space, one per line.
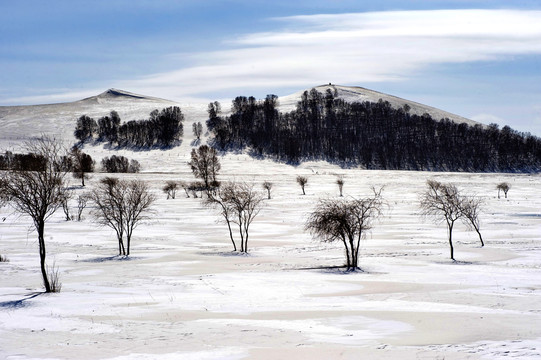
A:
184,294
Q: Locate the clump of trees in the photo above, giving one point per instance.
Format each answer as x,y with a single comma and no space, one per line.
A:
503,187
445,203
163,129
22,162
122,205
197,129
120,164
170,189
346,221
238,204
38,194
373,135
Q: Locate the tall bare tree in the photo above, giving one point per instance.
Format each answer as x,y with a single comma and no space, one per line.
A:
205,165
302,181
346,221
122,205
442,202
197,130
239,204
38,194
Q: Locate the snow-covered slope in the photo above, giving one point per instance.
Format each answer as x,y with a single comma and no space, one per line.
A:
359,94
18,123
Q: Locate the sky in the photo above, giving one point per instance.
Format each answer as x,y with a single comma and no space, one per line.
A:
478,59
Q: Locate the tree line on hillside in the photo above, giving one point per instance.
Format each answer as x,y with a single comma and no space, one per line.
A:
373,135
163,129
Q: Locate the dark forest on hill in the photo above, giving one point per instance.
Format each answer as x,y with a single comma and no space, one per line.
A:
370,135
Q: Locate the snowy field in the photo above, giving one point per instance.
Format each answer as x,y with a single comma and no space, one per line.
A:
183,293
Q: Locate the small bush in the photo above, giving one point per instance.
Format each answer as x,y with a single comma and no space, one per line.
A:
54,278
3,258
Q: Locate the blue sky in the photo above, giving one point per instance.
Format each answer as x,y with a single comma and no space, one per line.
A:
479,59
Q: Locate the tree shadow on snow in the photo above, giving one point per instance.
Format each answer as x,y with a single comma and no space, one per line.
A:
110,258
339,270
17,304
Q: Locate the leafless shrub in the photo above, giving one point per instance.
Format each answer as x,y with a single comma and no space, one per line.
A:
56,285
346,221
3,258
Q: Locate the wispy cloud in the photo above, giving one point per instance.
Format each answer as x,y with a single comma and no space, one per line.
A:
354,48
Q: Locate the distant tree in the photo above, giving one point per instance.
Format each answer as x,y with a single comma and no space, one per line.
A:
197,130
340,183
82,201
65,203
86,128
346,221
442,202
302,181
471,208
122,205
205,165
81,164
267,185
120,164
184,185
239,204
503,187
170,189
38,194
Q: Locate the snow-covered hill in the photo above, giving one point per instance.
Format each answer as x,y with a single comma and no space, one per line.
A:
359,94
22,122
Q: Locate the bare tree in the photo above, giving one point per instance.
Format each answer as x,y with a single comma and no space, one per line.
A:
340,183
471,207
442,202
82,201
346,221
170,189
65,203
197,130
82,164
239,204
205,165
109,210
267,185
503,187
122,205
302,181
221,199
137,205
38,194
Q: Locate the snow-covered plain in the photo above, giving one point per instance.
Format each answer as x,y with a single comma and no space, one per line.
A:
183,294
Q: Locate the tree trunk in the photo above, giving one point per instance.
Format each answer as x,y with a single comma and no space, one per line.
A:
231,234
348,263
303,190
480,237
451,241
42,254
83,178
